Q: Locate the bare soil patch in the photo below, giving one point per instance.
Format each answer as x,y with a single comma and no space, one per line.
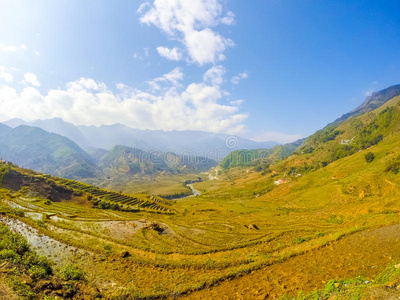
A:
365,253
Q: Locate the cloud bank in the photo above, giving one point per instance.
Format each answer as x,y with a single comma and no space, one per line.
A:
171,107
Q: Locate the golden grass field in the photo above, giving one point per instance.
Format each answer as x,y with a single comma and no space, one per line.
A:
242,238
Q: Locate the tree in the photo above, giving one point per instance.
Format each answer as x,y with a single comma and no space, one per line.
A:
369,157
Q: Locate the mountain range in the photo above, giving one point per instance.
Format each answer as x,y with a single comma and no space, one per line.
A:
196,143
37,149
63,149
34,148
357,130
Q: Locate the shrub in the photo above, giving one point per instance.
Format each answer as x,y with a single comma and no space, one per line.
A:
115,206
10,255
3,170
31,260
71,272
18,212
37,272
104,205
21,289
369,157
107,247
299,240
393,165
43,262
334,219
40,223
330,287
345,150
14,242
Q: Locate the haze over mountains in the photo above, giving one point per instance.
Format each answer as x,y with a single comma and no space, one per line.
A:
63,149
199,143
34,148
56,147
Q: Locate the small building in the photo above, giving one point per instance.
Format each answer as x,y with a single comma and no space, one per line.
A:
280,181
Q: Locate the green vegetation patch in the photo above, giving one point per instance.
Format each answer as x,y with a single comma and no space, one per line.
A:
15,249
71,272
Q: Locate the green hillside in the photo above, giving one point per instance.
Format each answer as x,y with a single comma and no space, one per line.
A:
46,152
329,211
55,189
349,137
127,160
363,133
259,158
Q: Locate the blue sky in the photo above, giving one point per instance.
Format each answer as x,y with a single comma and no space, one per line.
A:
262,69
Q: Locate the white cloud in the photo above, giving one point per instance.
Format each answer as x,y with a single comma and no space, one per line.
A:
236,79
190,23
236,102
137,56
12,48
171,54
229,19
142,7
368,93
206,46
37,53
214,75
277,137
87,84
86,101
172,77
6,76
31,78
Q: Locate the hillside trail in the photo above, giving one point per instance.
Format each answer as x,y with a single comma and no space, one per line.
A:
365,253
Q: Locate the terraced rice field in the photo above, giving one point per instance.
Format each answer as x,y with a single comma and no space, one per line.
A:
232,241
140,201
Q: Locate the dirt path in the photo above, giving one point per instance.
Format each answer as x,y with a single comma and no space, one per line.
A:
365,253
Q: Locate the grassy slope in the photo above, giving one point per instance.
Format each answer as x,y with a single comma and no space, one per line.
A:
210,241
349,181
259,157
127,160
45,152
245,222
383,286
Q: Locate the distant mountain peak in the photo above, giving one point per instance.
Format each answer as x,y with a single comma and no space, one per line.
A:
372,102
